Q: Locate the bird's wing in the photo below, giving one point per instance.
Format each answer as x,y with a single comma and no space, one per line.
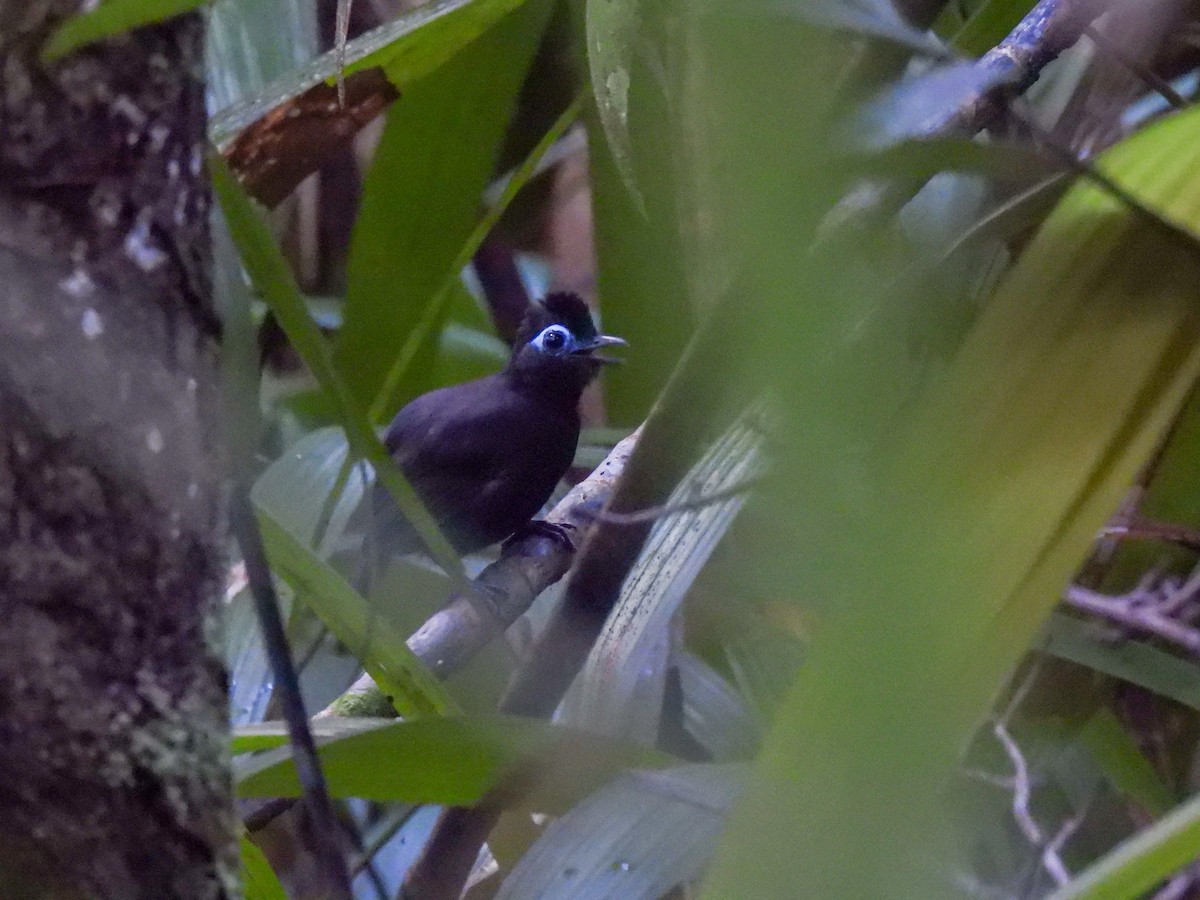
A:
455,446
462,433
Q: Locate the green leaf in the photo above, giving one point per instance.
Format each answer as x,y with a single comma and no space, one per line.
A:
620,688
640,836
296,490
882,23
412,688
250,43
269,735
398,375
1173,494
1141,862
1123,763
942,542
1137,662
407,48
437,154
612,29
455,761
271,276
989,24
714,713
109,18
641,280
258,878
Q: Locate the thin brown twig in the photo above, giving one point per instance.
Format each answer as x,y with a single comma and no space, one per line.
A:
1139,529
653,513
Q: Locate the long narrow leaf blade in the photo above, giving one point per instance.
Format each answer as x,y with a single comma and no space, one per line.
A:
384,654
271,275
1140,863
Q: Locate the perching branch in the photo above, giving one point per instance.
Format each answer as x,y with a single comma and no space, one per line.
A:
1003,73
504,590
1012,66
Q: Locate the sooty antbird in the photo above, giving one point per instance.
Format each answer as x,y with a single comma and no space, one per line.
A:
485,456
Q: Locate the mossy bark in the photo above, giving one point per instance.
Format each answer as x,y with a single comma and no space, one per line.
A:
114,776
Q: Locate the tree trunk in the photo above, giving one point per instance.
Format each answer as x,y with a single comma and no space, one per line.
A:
114,776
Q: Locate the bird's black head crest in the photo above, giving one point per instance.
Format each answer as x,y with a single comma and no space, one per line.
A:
555,347
570,310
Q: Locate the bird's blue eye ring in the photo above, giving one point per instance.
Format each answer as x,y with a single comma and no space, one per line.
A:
553,339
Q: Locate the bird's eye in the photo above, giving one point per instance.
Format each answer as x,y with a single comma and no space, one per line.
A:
552,339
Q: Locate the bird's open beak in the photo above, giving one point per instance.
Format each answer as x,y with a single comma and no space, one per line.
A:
603,340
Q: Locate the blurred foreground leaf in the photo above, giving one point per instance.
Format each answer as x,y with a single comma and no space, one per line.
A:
109,18
938,543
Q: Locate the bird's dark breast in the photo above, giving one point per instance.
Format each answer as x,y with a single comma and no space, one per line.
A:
484,460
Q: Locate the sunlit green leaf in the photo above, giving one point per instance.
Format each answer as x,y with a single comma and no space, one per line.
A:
411,687
268,735
455,761
1141,862
258,878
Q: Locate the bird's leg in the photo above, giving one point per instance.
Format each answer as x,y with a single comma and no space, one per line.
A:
556,531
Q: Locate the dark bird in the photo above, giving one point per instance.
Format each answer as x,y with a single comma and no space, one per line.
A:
485,456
